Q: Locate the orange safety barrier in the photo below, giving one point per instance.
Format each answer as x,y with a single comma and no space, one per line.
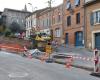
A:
12,47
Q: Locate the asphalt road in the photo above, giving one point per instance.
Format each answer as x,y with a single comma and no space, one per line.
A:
14,67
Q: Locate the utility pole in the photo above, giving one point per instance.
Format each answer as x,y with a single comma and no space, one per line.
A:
50,12
49,3
50,29
31,6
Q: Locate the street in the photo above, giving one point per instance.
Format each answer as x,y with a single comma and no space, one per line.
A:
15,67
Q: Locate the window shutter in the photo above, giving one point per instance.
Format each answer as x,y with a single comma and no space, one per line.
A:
92,19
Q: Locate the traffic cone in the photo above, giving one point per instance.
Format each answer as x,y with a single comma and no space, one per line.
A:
68,65
69,62
30,56
42,59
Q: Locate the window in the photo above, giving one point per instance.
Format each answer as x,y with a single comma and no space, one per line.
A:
77,18
68,20
95,18
53,20
47,22
17,20
43,23
57,32
77,2
22,21
68,5
30,23
59,18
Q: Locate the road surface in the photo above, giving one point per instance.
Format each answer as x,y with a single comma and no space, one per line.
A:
15,67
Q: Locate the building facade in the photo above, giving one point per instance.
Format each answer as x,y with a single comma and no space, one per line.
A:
44,22
34,22
17,16
92,21
73,22
57,23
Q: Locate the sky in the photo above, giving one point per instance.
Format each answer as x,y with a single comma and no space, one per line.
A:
19,4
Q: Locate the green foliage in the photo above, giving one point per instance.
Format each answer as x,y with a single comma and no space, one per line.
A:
7,33
1,22
14,27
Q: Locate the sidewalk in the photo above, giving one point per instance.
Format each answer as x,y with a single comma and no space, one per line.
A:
83,61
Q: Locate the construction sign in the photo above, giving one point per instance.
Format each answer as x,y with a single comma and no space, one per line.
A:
48,49
39,38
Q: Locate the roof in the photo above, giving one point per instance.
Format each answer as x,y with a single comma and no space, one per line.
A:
51,9
17,10
37,12
46,10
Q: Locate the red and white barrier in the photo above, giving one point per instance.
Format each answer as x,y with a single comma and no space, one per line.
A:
84,58
96,61
69,61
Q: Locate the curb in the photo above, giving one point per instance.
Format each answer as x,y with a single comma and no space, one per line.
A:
73,65
77,66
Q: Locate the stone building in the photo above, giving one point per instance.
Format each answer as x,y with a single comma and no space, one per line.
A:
92,21
18,16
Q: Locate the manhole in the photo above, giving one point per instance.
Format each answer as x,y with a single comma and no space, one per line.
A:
18,75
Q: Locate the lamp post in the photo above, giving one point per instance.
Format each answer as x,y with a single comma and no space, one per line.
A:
31,6
33,9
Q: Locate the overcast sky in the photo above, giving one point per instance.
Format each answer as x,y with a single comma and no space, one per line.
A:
19,4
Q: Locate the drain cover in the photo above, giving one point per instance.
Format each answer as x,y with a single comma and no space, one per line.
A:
17,75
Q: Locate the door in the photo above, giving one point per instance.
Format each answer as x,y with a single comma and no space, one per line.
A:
97,40
66,39
78,38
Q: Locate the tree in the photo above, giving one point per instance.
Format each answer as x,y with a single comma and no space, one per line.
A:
7,32
1,21
15,27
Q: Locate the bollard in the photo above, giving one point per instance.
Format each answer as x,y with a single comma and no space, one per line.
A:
69,61
96,71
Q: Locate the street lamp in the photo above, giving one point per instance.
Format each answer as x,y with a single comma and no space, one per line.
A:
31,6
33,9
